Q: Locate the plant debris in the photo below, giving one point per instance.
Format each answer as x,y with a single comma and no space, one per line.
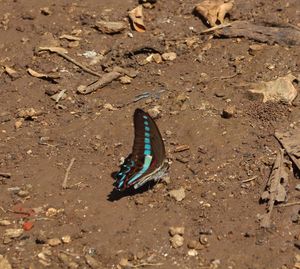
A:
214,11
265,34
290,140
275,191
137,19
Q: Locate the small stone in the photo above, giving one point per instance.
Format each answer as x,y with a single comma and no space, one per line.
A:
51,212
228,112
92,262
203,240
192,252
18,124
46,11
178,195
176,230
125,79
194,244
13,233
297,244
109,107
4,222
297,187
4,263
23,193
154,112
124,262
73,44
53,242
177,241
157,58
169,56
66,239
253,49
139,200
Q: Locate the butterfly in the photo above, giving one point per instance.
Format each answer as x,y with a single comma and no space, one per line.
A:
147,162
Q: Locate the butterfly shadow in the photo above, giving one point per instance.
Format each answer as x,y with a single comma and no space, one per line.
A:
116,195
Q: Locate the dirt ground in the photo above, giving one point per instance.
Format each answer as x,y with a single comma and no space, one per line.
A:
223,171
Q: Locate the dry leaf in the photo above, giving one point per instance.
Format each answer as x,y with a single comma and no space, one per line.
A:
214,11
275,188
110,27
41,75
281,89
137,19
290,140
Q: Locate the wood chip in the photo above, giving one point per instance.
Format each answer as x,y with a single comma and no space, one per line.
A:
275,188
110,27
265,34
290,140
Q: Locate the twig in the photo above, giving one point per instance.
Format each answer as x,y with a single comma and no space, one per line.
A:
221,26
6,175
64,184
249,179
225,77
289,204
103,81
146,264
62,54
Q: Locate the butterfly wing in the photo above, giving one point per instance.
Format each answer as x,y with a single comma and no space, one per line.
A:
148,152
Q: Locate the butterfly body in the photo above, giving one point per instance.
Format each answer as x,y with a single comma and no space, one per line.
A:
147,161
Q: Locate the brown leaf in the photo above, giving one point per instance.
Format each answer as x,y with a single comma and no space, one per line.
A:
275,188
214,11
137,19
290,140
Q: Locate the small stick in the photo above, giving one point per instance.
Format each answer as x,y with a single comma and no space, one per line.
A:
103,81
146,264
249,179
64,184
289,204
84,68
221,26
225,77
6,175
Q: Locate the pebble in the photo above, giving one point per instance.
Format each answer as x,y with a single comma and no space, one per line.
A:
228,112
4,222
169,56
176,230
23,193
109,107
194,244
4,263
125,80
13,233
177,241
18,124
203,240
297,187
154,112
92,262
178,195
53,242
66,239
192,252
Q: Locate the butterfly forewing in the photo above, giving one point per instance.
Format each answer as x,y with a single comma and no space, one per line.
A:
148,153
